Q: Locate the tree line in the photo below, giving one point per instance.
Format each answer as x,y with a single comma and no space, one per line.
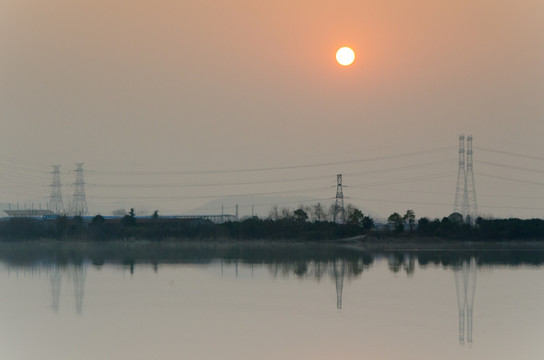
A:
313,223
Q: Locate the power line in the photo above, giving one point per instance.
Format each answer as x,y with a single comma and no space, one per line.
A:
449,194
306,178
210,196
510,153
510,166
405,180
302,166
446,204
510,179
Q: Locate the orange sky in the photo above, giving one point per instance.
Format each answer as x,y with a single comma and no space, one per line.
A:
236,84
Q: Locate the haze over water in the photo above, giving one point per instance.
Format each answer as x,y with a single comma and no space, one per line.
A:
255,301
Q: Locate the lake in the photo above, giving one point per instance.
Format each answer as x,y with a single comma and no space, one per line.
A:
268,301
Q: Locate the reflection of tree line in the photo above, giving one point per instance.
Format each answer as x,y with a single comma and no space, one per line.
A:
300,259
281,260
464,269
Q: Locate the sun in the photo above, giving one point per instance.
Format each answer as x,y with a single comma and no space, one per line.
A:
345,56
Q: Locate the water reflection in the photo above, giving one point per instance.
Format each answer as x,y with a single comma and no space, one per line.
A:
77,274
339,269
70,261
465,285
56,273
56,281
265,301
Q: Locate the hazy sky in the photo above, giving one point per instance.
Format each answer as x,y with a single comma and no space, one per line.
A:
197,86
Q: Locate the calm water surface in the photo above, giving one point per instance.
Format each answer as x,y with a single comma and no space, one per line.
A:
260,301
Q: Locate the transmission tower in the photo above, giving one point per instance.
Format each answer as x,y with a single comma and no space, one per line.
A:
79,204
465,193
339,204
461,196
55,201
470,187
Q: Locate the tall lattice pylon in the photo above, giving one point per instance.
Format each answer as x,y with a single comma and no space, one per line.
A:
460,204
79,203
339,213
55,201
470,186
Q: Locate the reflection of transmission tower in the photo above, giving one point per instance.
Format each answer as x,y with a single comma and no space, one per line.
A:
339,204
56,280
78,275
79,204
465,285
55,201
339,269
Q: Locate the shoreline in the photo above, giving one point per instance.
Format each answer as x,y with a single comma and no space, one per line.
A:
362,243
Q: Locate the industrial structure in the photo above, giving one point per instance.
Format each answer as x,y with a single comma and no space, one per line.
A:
339,213
79,203
465,193
29,213
55,200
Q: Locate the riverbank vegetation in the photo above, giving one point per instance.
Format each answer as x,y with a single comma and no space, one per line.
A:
306,224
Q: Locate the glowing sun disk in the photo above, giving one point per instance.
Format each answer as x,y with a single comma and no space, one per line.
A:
345,56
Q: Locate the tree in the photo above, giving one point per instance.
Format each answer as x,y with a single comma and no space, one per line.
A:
286,214
300,215
455,218
61,225
318,213
155,215
397,221
130,219
355,216
424,226
368,223
98,219
274,213
410,218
